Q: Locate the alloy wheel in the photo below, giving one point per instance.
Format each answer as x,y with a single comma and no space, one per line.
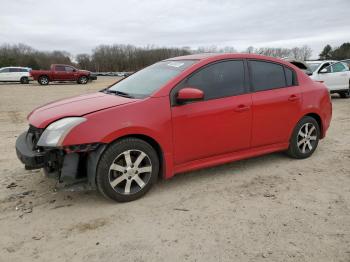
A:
83,80
307,138
130,172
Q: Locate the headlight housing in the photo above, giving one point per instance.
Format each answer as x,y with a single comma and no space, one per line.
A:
54,134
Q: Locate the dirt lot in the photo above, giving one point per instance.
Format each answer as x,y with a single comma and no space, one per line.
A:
270,208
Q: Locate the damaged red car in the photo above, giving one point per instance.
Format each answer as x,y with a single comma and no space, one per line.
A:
177,115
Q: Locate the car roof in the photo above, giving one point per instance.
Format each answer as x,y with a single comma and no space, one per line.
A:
15,67
219,56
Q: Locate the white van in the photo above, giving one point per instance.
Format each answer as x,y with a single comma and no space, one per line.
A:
15,74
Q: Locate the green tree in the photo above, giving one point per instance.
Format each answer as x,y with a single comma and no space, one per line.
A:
326,52
341,52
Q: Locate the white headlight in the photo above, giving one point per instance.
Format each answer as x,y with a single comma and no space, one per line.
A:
54,134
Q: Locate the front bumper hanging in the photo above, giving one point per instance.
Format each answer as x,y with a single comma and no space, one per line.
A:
25,149
73,163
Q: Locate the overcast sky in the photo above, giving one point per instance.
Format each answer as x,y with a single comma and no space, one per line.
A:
79,26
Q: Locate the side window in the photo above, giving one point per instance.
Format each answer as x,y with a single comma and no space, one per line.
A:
325,65
219,80
14,70
338,67
266,75
69,69
60,68
289,76
5,70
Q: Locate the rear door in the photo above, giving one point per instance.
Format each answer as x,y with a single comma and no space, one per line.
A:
15,74
219,124
59,73
276,102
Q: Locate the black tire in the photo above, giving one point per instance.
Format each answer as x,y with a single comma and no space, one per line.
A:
299,144
24,80
345,94
116,155
83,80
43,80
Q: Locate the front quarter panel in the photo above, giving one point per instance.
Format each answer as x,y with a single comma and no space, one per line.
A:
149,117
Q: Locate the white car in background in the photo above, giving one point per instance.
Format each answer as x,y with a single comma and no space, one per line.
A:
15,74
334,74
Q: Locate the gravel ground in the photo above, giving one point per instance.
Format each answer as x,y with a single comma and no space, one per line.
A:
270,208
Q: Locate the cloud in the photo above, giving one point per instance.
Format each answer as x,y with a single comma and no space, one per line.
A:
79,26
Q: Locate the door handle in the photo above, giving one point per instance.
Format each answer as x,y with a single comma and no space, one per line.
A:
293,98
242,108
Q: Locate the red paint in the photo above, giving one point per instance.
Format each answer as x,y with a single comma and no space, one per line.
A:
198,134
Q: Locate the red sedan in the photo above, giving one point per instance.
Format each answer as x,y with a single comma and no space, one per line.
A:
177,115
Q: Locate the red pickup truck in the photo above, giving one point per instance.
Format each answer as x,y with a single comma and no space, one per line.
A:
61,73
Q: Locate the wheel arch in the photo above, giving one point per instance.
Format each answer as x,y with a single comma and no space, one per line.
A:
154,143
44,75
319,121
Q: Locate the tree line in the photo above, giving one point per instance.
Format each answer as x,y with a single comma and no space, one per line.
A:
118,57
338,53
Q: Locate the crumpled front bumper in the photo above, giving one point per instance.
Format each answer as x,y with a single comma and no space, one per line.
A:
58,163
27,154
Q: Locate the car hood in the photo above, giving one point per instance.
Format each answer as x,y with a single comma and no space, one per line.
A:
75,106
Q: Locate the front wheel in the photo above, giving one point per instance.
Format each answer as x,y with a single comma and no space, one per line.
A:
127,170
345,94
83,80
43,80
305,138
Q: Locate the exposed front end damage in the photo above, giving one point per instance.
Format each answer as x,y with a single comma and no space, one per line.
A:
69,164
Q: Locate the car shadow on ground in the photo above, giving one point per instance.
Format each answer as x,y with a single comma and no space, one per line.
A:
189,179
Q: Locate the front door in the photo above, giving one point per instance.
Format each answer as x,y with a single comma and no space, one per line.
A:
337,76
219,124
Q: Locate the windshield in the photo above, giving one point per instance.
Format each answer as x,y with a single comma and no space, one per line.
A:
313,66
144,82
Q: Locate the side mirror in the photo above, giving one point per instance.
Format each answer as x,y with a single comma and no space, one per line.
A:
188,94
324,71
74,70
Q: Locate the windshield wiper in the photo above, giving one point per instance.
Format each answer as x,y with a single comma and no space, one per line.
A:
118,93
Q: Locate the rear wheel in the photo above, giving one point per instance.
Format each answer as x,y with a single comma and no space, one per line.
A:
127,170
345,94
24,80
83,80
43,80
305,138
